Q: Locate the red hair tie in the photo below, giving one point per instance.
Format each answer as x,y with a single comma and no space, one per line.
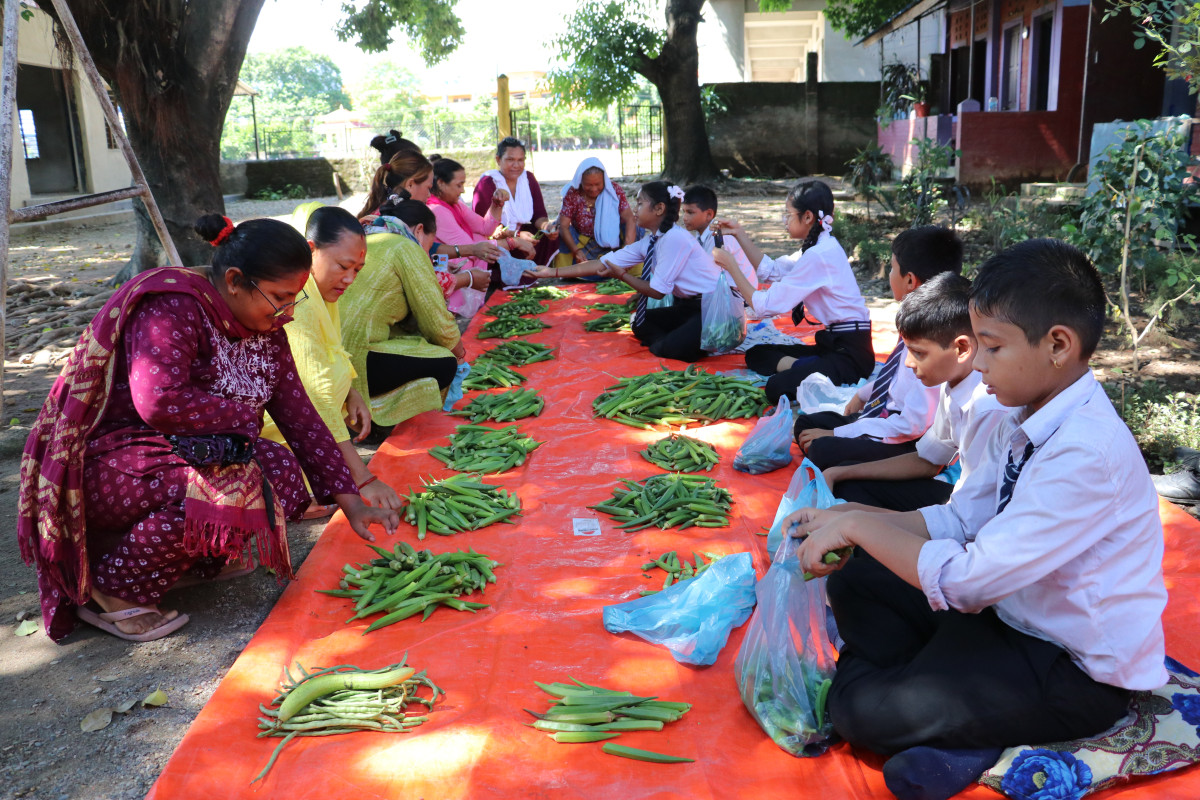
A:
225,233
387,167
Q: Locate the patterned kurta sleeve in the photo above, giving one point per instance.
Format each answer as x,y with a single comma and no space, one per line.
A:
161,342
425,300
305,432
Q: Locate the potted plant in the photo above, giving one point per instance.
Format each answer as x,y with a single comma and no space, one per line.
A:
917,95
901,85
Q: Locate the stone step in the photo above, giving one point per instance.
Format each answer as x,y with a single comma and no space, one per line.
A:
1065,192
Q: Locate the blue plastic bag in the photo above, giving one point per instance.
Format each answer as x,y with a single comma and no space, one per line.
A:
769,445
785,665
693,618
808,489
513,269
454,392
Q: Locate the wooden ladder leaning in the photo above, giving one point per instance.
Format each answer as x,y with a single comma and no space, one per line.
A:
8,103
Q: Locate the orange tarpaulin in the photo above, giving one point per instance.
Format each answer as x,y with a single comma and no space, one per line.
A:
545,624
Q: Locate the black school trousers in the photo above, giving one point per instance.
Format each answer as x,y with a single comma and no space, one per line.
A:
844,357
908,495
830,451
910,676
674,331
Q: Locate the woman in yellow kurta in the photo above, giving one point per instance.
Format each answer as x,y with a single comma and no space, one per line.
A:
339,250
403,343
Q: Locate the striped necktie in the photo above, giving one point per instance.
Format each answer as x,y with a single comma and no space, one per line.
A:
1011,472
639,312
883,384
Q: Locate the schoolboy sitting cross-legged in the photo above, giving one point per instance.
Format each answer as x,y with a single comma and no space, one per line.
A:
887,414
1029,607
696,214
935,324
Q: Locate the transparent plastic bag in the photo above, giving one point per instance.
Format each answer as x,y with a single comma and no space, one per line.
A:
666,301
722,318
465,302
513,269
454,392
769,445
786,663
692,619
808,489
818,393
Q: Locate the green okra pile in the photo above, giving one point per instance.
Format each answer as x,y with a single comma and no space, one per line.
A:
345,699
608,308
677,570
611,322
679,453
678,397
580,713
503,406
612,286
668,501
508,327
405,581
489,451
517,353
543,292
486,374
457,504
522,306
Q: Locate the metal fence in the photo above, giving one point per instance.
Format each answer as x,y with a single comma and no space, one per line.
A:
640,129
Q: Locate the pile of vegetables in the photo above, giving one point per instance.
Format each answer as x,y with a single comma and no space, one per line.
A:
668,501
457,504
508,327
678,397
612,286
522,306
609,308
486,374
611,322
404,582
478,448
580,714
678,571
679,453
517,353
503,406
543,292
345,699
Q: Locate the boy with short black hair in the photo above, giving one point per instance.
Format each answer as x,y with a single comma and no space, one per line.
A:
886,415
696,214
935,324
1028,608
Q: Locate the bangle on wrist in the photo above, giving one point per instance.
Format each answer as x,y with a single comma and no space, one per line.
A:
457,254
368,482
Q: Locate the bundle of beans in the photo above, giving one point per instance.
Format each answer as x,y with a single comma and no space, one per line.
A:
612,286
487,374
677,570
517,353
611,322
668,501
678,397
522,306
544,293
457,504
679,453
608,307
503,406
508,327
478,448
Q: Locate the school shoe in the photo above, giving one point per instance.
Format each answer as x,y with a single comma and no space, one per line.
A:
1181,487
1187,458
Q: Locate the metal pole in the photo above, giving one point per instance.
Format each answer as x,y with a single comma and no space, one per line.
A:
971,56
67,23
8,108
254,118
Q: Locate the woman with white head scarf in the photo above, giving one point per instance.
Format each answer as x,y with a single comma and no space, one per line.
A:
595,218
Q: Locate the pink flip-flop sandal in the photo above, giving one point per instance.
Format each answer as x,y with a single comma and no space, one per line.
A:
107,622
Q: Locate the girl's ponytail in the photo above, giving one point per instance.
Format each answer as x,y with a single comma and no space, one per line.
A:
811,194
667,194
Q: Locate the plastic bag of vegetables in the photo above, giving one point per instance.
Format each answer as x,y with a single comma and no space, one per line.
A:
769,445
808,489
722,318
786,663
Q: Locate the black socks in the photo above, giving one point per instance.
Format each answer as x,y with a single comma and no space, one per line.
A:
927,773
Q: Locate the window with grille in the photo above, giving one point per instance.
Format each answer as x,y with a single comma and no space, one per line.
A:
28,133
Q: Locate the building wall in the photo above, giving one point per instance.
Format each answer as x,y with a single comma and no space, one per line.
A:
720,42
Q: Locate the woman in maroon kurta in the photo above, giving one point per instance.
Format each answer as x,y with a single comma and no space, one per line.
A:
515,198
145,465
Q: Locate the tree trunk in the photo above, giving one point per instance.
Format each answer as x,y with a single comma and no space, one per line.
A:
675,73
173,67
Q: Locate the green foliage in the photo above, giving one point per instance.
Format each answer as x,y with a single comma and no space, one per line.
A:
1155,198
1004,220
714,105
604,43
289,192
869,169
858,18
295,82
901,86
432,25
1172,27
388,92
922,194
1160,420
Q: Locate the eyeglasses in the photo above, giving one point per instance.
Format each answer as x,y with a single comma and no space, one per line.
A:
286,307
788,216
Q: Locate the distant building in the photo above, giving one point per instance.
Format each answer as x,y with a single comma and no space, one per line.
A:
62,145
524,88
342,134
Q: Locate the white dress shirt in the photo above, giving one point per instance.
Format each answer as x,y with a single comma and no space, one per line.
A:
820,277
731,246
681,267
963,424
908,410
1076,556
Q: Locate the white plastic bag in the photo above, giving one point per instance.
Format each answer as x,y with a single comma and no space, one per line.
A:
818,393
722,318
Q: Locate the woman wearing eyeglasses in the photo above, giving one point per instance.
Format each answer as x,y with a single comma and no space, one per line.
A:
339,251
146,464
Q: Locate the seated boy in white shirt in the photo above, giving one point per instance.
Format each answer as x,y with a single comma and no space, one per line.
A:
935,324
696,213
1029,607
887,415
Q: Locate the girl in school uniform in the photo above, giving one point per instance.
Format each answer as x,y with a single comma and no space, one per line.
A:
672,263
816,279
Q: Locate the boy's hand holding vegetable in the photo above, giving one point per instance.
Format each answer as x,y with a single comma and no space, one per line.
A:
823,533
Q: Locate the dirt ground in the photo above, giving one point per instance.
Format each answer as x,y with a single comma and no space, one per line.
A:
46,690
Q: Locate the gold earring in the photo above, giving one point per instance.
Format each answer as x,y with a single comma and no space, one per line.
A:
1057,365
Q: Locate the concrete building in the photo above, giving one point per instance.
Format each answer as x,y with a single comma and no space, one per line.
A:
62,146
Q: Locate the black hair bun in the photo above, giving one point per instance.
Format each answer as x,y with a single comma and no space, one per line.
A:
209,227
